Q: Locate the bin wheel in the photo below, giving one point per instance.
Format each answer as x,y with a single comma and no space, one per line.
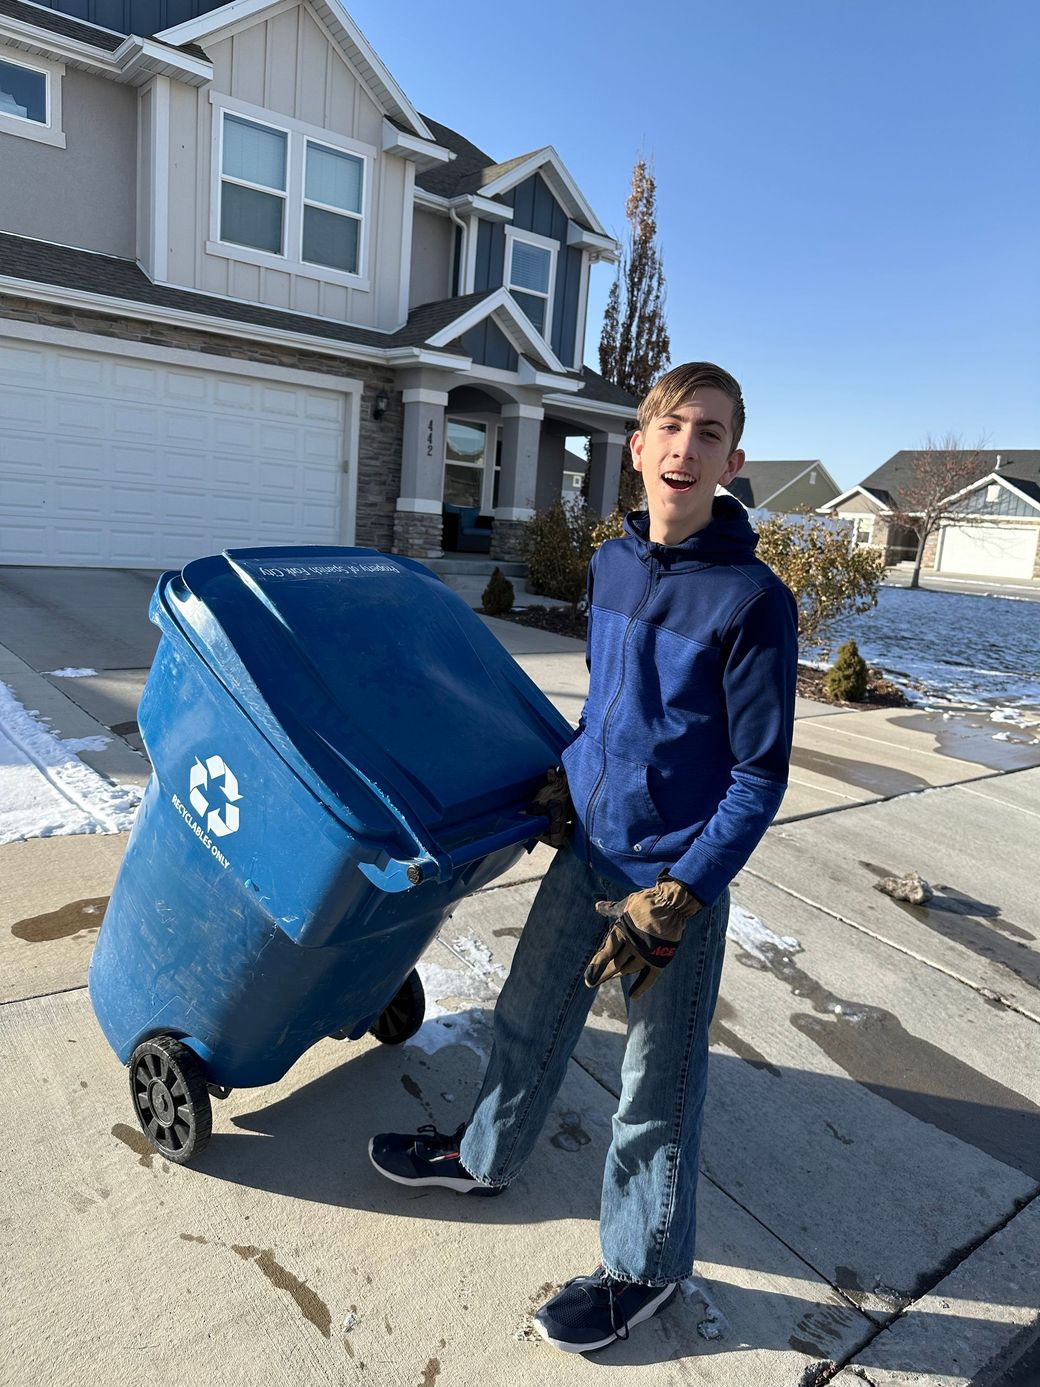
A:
170,1098
403,1017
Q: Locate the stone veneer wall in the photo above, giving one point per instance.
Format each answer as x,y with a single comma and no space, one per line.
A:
416,535
509,540
379,441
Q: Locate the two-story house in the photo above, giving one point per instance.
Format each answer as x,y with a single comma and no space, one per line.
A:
248,294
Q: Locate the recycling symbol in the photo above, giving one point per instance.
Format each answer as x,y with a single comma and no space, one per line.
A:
224,819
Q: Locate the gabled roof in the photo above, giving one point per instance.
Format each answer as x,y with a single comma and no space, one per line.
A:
894,477
499,305
355,47
1028,490
760,481
474,173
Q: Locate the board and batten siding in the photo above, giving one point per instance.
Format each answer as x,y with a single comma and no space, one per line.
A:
535,209
286,66
431,258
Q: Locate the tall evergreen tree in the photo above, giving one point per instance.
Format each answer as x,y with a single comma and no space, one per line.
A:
634,348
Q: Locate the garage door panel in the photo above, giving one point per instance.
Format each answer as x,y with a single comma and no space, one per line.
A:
111,460
993,551
235,433
75,369
18,408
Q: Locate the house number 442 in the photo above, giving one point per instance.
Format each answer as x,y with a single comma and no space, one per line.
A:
429,439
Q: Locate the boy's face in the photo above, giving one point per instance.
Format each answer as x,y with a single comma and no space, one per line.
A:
683,456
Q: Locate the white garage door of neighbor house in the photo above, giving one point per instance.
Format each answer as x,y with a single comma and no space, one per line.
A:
116,461
994,551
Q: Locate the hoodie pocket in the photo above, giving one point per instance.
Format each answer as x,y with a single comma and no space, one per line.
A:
624,819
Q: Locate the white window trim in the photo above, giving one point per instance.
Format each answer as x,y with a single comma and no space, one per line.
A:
298,133
543,243
50,132
491,428
282,193
327,207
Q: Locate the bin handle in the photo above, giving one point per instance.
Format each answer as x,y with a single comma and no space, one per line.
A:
397,874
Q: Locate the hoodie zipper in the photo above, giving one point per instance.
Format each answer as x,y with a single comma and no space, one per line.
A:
611,707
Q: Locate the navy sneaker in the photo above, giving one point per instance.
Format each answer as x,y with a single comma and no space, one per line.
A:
426,1157
590,1312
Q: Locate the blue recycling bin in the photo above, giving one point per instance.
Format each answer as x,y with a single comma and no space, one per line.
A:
341,751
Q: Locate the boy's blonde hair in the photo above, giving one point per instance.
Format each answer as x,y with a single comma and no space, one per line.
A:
675,388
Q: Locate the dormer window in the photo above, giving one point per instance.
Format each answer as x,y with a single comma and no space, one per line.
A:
530,272
30,100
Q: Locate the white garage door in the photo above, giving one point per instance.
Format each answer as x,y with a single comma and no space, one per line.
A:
994,551
111,460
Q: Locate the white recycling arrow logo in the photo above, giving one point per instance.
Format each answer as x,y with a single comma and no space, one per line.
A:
224,819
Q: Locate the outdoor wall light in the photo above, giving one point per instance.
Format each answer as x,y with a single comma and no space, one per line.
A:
380,405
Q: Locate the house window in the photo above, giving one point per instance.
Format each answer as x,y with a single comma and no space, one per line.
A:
464,447
864,529
332,193
253,185
30,100
286,198
530,271
23,93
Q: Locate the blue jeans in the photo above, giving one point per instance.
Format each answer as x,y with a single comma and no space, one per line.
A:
648,1208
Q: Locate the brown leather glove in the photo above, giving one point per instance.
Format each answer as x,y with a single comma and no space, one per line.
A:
646,929
554,800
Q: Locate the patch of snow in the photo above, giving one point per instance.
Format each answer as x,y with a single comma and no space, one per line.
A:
71,672
478,956
45,790
712,1323
85,743
749,933
466,1024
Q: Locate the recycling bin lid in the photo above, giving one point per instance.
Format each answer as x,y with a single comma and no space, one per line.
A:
372,678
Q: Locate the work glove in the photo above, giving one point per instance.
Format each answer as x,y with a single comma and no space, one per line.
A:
644,934
554,801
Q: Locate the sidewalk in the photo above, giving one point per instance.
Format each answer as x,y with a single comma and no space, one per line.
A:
872,1144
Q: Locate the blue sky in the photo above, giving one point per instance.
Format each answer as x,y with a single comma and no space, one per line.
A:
849,208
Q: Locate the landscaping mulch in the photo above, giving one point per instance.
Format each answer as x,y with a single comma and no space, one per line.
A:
566,621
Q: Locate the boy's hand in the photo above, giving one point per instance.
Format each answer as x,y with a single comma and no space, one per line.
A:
646,929
554,800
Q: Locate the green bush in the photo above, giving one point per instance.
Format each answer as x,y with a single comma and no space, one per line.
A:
829,575
847,677
498,596
559,548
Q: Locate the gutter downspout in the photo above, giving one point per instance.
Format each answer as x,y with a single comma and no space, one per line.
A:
463,247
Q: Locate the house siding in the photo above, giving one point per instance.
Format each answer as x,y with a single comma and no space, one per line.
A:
536,210
286,66
800,495
86,192
431,258
487,344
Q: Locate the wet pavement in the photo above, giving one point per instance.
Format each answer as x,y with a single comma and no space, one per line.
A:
868,1207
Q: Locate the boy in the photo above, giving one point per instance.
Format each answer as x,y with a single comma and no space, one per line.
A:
677,769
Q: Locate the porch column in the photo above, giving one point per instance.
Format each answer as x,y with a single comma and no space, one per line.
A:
518,479
605,451
417,522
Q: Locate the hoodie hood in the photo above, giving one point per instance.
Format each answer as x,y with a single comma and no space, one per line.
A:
727,538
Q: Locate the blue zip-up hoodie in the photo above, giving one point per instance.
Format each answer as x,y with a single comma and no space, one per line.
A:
682,750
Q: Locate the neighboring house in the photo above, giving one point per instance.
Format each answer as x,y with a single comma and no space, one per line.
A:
783,487
992,530
249,295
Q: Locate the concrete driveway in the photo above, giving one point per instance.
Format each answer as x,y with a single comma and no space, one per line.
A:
870,1172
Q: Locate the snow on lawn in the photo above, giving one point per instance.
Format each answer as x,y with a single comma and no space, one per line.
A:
45,789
